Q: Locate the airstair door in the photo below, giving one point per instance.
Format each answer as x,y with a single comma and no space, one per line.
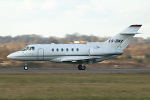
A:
40,54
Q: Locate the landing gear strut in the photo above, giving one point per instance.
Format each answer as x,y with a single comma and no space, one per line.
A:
81,67
26,66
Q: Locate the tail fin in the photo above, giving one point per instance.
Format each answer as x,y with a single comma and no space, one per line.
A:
121,40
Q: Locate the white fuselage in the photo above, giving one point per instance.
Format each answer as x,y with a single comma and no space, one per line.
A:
67,53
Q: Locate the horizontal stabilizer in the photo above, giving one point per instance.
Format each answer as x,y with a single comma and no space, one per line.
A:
131,29
131,33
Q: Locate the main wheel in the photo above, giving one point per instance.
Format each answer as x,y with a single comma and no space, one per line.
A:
80,67
25,67
83,67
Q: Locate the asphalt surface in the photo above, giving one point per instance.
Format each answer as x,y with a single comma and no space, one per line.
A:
75,71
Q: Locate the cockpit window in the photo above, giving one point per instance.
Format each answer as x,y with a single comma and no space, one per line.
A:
32,48
28,48
25,49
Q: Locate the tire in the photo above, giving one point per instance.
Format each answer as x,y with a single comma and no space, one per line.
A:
80,67
83,67
25,67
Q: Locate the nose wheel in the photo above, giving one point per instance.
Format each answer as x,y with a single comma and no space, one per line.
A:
26,66
81,67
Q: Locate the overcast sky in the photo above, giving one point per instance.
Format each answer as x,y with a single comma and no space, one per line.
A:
60,17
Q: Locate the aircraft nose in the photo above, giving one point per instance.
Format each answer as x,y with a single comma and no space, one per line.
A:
10,56
14,55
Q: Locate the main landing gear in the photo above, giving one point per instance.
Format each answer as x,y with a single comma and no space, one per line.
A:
26,66
81,67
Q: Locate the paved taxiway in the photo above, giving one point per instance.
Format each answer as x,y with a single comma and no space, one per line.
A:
75,71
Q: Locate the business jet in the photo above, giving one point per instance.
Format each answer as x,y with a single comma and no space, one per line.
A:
80,54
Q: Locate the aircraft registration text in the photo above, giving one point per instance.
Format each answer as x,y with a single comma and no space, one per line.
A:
115,41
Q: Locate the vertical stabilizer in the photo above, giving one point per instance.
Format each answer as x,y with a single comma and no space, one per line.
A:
121,40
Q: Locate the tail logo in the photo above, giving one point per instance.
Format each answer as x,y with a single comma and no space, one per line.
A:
115,41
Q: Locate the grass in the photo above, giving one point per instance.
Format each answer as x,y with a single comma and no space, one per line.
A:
76,86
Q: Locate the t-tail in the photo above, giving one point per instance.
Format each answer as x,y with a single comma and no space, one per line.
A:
121,40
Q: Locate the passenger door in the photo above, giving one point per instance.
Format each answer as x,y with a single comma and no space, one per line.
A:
40,54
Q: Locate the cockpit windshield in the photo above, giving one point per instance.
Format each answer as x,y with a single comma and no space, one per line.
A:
28,48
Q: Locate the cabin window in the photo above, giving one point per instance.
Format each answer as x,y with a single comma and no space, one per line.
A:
67,49
77,49
53,49
72,49
62,49
57,49
97,47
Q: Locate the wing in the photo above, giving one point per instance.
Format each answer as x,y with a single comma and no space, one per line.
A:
80,59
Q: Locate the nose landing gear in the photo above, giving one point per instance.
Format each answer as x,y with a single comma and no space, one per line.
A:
81,67
26,66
